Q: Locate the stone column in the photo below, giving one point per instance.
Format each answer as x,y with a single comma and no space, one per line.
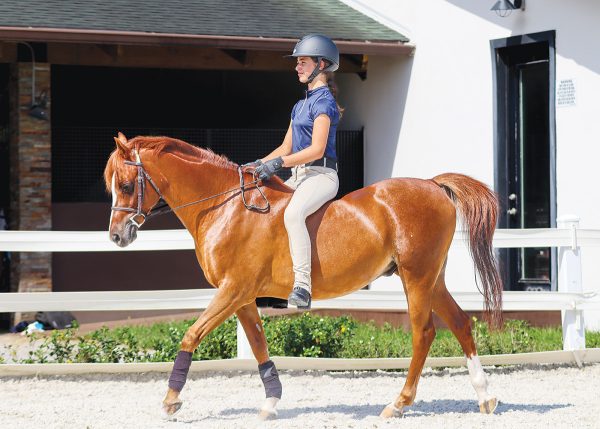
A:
30,178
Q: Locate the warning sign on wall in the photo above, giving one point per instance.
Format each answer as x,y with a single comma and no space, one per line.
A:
565,93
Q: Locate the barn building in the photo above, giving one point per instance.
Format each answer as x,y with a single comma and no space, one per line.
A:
503,91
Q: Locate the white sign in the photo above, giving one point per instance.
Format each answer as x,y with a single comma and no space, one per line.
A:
565,93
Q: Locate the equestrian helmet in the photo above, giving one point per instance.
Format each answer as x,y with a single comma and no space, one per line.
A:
320,47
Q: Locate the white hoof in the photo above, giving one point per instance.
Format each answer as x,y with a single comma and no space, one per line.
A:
268,411
391,411
267,415
170,411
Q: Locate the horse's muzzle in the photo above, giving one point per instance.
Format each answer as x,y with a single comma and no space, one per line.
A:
125,238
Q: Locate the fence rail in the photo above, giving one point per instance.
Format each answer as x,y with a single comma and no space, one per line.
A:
180,239
198,299
570,299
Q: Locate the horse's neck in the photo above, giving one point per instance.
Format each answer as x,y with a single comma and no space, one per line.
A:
194,180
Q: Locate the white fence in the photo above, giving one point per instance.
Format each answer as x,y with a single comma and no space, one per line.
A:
570,298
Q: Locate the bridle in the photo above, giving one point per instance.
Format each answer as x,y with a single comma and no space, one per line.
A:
161,206
142,176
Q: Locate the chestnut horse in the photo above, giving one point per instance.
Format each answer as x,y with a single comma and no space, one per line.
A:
396,226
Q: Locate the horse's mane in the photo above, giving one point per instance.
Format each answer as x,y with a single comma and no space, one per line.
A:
163,144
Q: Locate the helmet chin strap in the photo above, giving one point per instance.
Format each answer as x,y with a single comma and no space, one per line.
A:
316,71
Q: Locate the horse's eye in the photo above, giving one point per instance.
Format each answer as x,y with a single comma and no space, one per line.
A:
127,188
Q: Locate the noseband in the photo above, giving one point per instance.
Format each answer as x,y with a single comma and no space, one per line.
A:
163,207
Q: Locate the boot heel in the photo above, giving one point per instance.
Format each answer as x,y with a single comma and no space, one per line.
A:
300,297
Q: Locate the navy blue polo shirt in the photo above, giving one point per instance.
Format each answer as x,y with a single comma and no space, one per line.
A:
318,101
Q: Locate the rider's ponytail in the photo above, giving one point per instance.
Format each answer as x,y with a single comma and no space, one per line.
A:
333,89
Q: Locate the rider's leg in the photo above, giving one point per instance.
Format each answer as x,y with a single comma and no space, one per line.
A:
314,187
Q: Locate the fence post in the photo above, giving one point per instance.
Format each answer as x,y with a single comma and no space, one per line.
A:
243,346
569,280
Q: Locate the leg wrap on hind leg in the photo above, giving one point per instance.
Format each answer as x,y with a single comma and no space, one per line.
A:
270,378
180,370
478,378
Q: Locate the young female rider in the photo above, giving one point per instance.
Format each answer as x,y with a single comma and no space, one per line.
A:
309,148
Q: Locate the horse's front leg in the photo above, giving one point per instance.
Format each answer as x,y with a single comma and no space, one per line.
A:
250,320
227,300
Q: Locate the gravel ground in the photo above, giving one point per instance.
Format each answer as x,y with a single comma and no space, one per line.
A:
530,397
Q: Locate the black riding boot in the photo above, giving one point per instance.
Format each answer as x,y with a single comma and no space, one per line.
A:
300,297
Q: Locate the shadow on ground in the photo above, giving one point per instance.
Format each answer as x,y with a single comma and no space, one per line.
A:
419,409
442,406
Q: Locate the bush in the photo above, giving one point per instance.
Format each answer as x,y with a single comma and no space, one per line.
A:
516,337
306,335
445,344
592,340
221,343
370,341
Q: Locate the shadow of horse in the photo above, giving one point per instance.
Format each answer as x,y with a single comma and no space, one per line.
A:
464,406
419,409
353,411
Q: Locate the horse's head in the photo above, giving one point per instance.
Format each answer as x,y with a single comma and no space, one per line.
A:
126,179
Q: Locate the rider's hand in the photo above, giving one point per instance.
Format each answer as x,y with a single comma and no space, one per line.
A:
253,165
266,170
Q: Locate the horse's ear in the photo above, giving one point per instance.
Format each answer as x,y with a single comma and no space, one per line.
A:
121,142
122,138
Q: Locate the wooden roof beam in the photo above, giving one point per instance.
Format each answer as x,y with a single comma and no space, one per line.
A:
240,55
185,57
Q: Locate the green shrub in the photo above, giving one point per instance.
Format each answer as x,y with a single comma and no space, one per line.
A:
592,339
445,344
102,346
221,343
516,337
306,335
370,341
165,344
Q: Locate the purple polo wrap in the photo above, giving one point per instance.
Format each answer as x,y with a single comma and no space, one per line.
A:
180,370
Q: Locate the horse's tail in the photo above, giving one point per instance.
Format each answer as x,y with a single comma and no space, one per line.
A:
478,207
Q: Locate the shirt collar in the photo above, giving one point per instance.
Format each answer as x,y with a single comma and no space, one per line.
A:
312,91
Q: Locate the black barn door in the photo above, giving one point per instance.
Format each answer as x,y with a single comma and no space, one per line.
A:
525,172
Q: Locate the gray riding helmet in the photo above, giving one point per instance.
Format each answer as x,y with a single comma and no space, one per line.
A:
321,47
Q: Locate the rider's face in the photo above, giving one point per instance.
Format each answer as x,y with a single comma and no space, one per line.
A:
304,68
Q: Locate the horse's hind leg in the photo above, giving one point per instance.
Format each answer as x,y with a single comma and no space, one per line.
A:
460,325
225,302
250,320
419,295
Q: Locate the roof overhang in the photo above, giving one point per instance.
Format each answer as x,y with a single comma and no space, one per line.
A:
365,47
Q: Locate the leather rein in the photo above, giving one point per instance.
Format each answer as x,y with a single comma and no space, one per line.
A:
162,207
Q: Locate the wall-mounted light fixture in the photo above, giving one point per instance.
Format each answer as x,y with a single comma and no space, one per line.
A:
38,106
504,8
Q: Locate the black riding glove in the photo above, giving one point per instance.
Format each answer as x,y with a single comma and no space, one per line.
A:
253,165
267,169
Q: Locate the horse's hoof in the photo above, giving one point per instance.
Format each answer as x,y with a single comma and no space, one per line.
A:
268,410
488,406
267,414
391,412
170,410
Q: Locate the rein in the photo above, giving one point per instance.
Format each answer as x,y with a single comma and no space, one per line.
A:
241,188
164,207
